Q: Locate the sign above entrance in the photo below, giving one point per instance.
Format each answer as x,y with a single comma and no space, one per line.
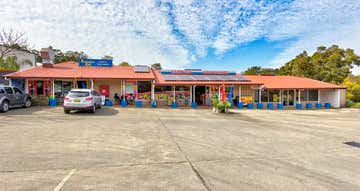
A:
96,63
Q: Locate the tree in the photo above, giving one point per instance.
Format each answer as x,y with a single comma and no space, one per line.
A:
352,84
9,63
332,64
69,56
11,40
258,70
123,63
156,66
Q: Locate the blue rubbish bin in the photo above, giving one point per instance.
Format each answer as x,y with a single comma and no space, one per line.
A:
138,103
52,102
298,106
270,105
153,104
174,104
327,105
280,106
108,102
194,105
318,105
240,105
308,105
250,106
124,103
259,105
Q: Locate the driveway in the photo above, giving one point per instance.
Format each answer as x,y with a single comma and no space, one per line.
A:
179,149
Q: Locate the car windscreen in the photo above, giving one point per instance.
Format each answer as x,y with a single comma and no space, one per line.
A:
78,94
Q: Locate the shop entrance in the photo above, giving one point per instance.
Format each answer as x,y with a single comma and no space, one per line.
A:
200,95
288,97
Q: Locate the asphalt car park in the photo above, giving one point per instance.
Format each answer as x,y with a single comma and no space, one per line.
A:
179,149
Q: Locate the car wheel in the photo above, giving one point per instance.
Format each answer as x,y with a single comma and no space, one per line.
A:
27,103
5,106
93,109
67,111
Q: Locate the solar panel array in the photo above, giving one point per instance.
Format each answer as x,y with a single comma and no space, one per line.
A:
203,78
140,68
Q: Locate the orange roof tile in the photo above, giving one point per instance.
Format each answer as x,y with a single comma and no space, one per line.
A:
291,82
72,70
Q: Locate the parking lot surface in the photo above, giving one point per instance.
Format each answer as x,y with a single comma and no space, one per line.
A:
41,148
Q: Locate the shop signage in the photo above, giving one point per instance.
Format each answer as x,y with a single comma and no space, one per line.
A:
96,63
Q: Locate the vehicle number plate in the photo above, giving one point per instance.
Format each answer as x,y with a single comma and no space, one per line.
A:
76,100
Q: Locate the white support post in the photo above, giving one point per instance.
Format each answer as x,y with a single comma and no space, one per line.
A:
10,82
239,93
299,96
259,94
294,97
191,96
92,83
27,86
194,93
280,96
152,91
174,94
318,95
268,95
219,95
53,88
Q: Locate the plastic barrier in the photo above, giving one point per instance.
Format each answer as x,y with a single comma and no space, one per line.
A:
250,106
240,105
52,102
138,103
194,105
318,105
280,106
260,105
270,106
298,106
327,105
124,103
308,105
108,102
174,104
153,104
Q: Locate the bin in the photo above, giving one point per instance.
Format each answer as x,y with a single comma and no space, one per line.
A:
280,106
260,105
52,102
308,106
250,106
174,104
194,105
327,105
298,106
108,102
240,105
270,106
318,105
138,103
124,103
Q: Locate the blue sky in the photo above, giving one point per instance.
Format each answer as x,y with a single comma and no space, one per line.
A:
208,34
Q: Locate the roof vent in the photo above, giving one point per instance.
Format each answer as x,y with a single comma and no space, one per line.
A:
141,69
48,56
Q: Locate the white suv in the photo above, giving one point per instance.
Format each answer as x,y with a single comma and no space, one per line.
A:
82,99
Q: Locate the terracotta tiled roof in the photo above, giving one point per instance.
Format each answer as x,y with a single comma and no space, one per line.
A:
159,80
71,70
291,82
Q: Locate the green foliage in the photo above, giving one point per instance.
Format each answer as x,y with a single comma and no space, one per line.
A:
156,66
332,64
257,70
352,84
9,64
68,56
123,63
222,105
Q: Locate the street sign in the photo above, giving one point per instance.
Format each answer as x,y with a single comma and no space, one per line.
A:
95,63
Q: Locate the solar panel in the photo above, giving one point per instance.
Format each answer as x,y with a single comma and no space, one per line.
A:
141,68
203,78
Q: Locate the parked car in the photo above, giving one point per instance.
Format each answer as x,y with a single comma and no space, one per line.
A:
11,97
82,99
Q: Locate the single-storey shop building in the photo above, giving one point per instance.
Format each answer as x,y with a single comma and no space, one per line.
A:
183,87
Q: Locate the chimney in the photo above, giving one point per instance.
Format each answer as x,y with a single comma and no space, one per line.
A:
48,56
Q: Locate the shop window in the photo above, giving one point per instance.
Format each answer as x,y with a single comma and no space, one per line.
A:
32,87
144,90
264,95
313,95
39,88
9,90
274,95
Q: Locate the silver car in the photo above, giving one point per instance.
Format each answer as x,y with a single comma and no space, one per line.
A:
82,99
11,97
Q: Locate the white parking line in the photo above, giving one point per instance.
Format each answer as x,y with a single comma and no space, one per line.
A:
66,178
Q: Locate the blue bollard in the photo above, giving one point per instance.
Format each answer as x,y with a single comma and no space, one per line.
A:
260,105
240,105
138,103
153,104
308,106
250,106
318,105
327,105
108,102
174,104
194,105
280,106
270,105
52,102
124,103
298,106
